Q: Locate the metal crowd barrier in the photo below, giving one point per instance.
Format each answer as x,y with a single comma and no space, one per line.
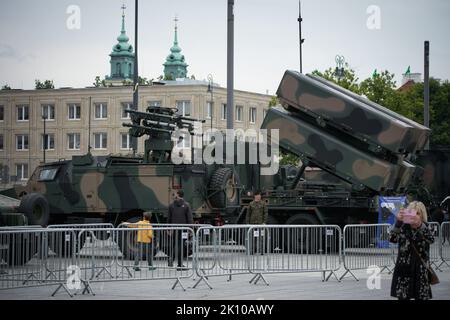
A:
366,245
445,244
75,256
221,251
435,247
294,249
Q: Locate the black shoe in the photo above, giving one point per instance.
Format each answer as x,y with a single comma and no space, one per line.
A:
182,268
170,264
136,269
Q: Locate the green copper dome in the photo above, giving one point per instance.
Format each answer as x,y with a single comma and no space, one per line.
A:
122,56
175,65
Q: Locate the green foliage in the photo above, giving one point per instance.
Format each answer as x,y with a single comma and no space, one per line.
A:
47,84
99,82
274,102
289,159
349,81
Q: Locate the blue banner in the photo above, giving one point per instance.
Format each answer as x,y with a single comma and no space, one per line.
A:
388,208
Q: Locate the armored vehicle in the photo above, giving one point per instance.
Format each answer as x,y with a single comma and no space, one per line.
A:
351,149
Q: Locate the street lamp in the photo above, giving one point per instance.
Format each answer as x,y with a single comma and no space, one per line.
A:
339,71
44,138
210,90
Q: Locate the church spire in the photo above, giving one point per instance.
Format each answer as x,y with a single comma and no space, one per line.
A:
122,56
175,65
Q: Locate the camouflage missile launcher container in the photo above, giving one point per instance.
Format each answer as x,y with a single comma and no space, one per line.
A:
374,129
325,150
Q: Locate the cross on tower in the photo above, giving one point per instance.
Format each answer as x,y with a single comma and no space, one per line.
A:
176,21
123,9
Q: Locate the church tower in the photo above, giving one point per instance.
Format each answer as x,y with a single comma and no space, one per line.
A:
175,66
122,57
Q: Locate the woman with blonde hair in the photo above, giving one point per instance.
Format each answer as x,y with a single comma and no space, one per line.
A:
411,279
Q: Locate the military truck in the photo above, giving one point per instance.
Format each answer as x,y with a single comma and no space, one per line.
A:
351,149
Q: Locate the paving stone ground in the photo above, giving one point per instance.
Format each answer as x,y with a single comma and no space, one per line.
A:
305,286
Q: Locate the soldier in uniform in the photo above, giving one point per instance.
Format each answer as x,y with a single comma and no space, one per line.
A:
257,213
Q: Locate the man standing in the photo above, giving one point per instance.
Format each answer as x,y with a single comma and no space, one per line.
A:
257,213
179,214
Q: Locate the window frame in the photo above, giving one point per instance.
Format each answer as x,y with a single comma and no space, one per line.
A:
23,165
74,141
103,106
23,107
22,142
101,141
75,106
48,106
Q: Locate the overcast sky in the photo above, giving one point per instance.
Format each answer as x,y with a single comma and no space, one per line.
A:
35,42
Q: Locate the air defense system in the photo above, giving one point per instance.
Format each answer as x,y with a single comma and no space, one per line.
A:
346,135
352,151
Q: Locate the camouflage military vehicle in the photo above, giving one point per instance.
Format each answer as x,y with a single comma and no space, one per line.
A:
113,189
352,150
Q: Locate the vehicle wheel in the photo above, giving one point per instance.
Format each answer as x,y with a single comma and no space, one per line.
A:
301,240
223,189
36,209
20,249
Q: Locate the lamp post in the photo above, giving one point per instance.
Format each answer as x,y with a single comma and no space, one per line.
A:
44,140
339,71
210,90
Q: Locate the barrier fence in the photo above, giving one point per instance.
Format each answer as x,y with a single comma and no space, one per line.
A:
72,257
366,245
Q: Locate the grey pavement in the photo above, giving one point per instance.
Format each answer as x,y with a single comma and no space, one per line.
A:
303,286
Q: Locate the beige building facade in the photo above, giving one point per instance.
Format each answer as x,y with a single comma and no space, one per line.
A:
69,112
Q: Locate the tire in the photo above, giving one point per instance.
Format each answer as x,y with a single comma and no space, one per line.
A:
36,209
301,241
224,193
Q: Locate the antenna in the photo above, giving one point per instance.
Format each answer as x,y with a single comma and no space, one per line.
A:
300,20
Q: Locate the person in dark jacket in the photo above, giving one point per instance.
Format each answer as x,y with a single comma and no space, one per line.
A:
179,213
411,278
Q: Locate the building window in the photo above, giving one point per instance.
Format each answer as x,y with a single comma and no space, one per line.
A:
209,110
23,113
1,142
126,141
252,115
2,113
239,112
22,171
48,142
101,111
74,112
101,140
73,141
184,141
184,108
48,112
154,104
127,106
22,142
224,111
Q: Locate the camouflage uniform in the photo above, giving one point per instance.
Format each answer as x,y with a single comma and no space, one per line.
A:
257,213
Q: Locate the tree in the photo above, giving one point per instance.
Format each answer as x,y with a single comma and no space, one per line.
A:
47,84
99,82
380,88
348,81
274,102
289,159
6,87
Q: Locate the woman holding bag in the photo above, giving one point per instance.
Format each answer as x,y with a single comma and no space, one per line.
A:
412,273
